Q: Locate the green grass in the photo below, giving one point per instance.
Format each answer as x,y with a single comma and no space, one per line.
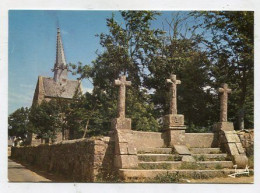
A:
218,167
147,158
192,166
166,166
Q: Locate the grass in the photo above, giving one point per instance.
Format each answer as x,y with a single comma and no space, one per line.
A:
167,178
166,166
192,166
147,158
218,167
200,158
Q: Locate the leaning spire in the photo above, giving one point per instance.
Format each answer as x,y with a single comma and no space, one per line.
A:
60,66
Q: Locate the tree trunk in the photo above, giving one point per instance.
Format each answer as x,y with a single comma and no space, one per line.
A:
86,129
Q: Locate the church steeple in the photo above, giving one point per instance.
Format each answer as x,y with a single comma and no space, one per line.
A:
60,66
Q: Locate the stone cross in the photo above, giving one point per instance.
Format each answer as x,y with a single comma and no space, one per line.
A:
122,83
223,102
173,101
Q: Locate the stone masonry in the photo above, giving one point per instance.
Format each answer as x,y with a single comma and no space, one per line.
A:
228,138
125,151
81,160
174,123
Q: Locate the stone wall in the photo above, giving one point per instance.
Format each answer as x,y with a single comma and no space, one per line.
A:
247,140
143,139
201,140
84,160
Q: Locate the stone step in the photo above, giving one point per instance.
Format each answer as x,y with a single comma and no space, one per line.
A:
159,157
217,157
155,150
205,150
200,165
216,164
136,174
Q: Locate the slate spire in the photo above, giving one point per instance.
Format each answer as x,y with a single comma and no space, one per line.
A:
60,66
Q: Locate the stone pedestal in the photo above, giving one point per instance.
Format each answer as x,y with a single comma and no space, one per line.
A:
174,129
125,151
231,143
121,123
223,126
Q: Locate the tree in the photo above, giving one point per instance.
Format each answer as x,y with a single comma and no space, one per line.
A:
180,53
48,118
231,52
126,50
19,125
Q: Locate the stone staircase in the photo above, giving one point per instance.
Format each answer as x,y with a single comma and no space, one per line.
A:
210,162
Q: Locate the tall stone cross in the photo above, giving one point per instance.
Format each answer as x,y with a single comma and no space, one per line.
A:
173,101
122,83
223,102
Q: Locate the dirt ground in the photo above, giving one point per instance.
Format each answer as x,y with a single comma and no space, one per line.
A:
225,180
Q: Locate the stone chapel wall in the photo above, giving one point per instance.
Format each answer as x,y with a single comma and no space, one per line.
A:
81,160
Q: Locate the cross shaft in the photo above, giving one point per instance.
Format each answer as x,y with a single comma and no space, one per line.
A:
223,102
173,100
122,83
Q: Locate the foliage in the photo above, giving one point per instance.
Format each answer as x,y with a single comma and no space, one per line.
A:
126,49
19,124
167,178
48,118
230,49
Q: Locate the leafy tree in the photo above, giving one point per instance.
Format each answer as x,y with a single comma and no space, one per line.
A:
230,49
182,55
48,118
126,50
19,125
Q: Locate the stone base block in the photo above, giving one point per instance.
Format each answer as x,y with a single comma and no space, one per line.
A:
175,137
173,120
126,161
224,126
119,123
181,150
240,160
188,158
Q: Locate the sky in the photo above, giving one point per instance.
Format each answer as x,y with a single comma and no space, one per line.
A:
32,46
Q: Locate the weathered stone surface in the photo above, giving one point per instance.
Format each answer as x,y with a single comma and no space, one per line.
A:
173,100
188,158
223,102
232,138
173,120
121,148
224,126
122,83
175,137
124,147
182,150
143,139
121,123
240,148
233,149
131,150
126,161
201,139
240,160
79,160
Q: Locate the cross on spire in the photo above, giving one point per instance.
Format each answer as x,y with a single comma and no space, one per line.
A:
60,66
122,83
173,101
223,102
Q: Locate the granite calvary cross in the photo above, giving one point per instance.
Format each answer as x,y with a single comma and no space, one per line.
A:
223,102
122,83
173,101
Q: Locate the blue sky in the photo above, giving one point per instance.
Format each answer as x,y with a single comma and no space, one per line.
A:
32,44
